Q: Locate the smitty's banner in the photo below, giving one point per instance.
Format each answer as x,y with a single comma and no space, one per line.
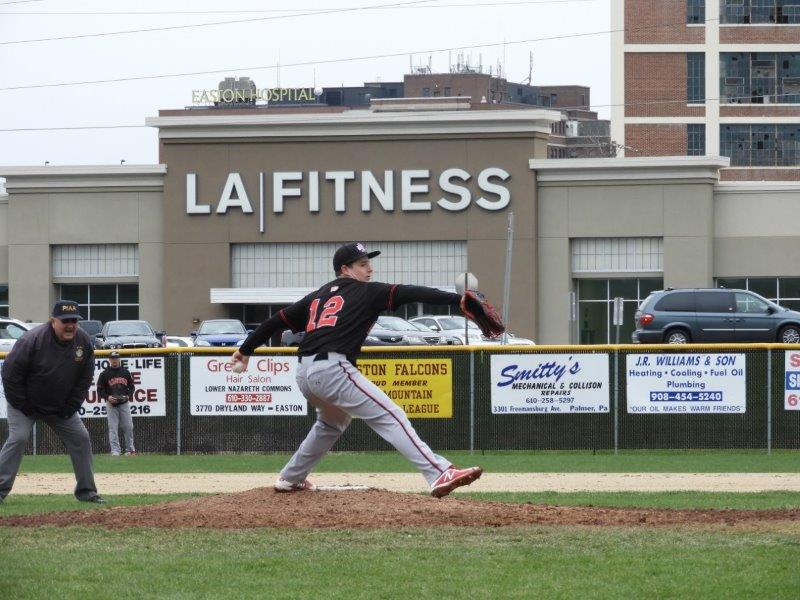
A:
791,395
549,383
422,387
686,383
266,389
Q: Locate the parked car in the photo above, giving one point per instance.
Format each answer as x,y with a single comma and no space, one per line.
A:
128,334
220,332
387,331
176,341
454,325
91,326
681,316
387,328
11,330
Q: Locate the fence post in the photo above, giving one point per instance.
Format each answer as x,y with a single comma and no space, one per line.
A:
769,401
616,400
472,401
179,358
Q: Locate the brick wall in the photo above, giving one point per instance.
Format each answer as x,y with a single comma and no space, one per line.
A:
659,22
739,34
760,174
655,140
655,85
758,110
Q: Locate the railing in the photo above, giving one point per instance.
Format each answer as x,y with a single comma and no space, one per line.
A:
476,398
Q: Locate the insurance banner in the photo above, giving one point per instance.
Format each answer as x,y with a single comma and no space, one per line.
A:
686,383
266,389
422,387
791,395
549,383
149,398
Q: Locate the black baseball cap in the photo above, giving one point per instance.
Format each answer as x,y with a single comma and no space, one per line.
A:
350,253
114,354
66,309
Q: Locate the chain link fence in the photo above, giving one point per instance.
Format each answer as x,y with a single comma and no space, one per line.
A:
766,420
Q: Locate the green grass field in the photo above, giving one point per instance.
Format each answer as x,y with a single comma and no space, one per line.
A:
758,561
533,562
661,461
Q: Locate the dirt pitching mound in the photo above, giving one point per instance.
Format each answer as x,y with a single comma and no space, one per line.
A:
263,507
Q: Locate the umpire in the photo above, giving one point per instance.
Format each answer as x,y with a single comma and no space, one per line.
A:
46,377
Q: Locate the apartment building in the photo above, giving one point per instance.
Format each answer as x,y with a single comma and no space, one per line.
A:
709,77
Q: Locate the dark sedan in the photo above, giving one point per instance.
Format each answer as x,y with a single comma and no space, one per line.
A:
128,334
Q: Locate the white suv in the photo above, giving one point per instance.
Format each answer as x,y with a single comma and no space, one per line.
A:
11,330
454,326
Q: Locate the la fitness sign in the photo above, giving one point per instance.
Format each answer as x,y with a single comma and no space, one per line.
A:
374,190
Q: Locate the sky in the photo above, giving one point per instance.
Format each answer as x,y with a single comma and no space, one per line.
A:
58,105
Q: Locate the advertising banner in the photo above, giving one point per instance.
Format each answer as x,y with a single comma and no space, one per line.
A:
423,388
266,389
149,399
549,383
686,383
791,395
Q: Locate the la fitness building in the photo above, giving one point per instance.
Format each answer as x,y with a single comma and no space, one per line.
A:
246,206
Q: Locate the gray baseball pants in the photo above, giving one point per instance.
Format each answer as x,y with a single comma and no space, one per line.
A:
71,432
340,392
119,417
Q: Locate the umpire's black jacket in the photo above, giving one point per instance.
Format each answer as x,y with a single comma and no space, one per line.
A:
42,376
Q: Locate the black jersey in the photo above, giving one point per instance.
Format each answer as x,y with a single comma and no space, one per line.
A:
338,316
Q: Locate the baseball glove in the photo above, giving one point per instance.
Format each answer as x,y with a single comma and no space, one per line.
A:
117,400
478,309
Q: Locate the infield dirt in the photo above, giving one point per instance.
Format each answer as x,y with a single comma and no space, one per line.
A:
263,507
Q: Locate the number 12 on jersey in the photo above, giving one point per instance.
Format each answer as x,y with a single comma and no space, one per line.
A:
328,316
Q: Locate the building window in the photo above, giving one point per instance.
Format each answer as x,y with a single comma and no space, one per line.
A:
780,12
696,77
426,92
596,304
307,266
696,11
783,290
760,77
761,145
604,255
104,302
96,260
448,91
4,300
696,140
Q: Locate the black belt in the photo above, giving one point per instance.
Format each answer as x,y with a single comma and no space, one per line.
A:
317,357
324,356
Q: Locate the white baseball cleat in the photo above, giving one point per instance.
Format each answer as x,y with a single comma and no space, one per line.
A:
281,485
452,478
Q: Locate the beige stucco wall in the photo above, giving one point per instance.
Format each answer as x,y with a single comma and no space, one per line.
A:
681,213
203,241
35,220
756,231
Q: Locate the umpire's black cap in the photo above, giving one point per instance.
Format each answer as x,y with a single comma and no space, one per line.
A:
350,253
66,309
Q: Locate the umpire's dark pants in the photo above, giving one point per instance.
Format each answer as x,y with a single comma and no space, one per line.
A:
71,431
